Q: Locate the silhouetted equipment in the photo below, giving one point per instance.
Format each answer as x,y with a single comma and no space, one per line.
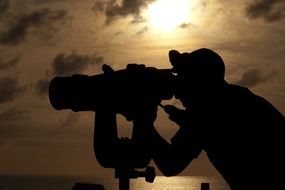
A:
128,159
131,89
205,186
124,175
85,93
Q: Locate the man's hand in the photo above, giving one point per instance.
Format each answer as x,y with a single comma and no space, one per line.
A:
175,114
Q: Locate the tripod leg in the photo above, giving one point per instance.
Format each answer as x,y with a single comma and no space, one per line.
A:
124,183
205,186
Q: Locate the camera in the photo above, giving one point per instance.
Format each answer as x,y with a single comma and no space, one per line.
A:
136,84
123,91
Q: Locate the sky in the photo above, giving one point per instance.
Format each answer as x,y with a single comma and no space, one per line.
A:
41,39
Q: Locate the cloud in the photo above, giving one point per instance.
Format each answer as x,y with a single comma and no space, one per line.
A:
142,31
113,10
269,10
99,6
74,63
41,2
4,6
13,122
253,77
66,65
9,64
17,30
70,120
10,89
13,114
138,19
186,25
42,87
19,128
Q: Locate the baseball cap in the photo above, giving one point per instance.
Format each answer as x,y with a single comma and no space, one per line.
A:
199,63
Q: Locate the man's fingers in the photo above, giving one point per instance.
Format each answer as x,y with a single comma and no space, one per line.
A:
170,109
175,114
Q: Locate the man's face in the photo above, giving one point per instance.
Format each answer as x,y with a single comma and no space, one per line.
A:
183,90
190,88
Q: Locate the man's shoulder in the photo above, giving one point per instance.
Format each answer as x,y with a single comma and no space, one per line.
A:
243,98
252,102
238,91
243,94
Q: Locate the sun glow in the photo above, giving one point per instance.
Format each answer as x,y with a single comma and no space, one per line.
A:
166,15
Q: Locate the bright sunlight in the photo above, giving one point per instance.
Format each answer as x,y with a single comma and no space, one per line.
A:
166,15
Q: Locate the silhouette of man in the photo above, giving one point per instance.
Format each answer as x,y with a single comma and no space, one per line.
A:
242,133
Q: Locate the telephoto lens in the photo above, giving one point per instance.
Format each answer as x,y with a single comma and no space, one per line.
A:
123,87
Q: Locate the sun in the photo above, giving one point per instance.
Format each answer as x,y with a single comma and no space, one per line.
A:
167,15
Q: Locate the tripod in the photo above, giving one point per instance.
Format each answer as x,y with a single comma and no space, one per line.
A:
124,172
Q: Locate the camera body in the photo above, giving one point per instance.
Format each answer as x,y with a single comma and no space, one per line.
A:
126,88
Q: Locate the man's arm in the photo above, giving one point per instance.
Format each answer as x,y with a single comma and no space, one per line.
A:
173,158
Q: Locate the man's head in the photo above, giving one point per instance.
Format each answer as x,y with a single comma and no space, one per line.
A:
198,73
204,64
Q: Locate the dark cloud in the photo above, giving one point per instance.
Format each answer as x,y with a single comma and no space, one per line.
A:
252,77
119,33
17,127
142,31
9,64
4,6
113,10
70,120
269,10
10,89
184,25
13,115
41,2
13,122
66,65
73,63
99,6
42,87
18,29
137,19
